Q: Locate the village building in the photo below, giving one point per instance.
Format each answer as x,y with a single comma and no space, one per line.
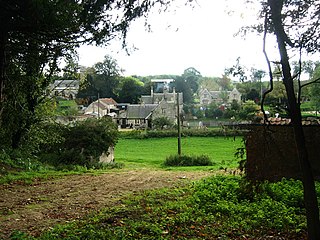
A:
207,97
102,107
65,88
162,102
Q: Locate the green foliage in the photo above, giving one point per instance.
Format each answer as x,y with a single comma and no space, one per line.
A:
32,46
249,110
315,90
214,208
103,81
210,132
161,123
192,77
188,160
129,90
271,205
182,86
83,143
66,108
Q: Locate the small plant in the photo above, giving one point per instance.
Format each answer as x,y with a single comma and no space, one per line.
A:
188,160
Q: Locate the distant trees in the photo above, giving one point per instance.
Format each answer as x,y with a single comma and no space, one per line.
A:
104,80
36,35
315,89
129,90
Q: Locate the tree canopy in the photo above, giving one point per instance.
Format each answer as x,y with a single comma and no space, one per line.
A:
34,38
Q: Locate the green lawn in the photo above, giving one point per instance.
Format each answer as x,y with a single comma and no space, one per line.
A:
152,152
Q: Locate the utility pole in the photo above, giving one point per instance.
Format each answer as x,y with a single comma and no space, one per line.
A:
98,105
179,127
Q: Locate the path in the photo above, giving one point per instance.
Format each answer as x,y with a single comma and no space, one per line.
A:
39,206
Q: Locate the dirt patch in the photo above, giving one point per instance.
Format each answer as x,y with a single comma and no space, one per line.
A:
39,206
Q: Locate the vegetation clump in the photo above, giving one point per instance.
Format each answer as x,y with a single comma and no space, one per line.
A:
82,144
220,207
188,160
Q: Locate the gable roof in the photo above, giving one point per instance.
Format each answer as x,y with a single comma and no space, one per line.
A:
102,103
108,101
137,111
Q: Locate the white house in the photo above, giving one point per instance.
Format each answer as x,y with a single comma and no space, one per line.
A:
102,107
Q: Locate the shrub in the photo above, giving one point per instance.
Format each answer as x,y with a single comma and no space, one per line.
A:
136,134
185,160
83,143
162,122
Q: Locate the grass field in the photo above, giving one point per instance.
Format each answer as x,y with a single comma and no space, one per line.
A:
135,153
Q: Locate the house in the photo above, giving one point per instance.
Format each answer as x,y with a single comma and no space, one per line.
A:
102,107
136,115
162,102
206,96
65,88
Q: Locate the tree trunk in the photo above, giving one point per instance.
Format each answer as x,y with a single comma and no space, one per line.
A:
3,41
310,197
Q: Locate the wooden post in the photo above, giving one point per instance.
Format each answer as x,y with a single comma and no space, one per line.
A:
179,127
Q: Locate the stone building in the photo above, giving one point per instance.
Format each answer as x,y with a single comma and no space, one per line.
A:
65,88
162,102
206,96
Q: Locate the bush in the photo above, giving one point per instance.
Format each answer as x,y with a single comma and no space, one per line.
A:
162,122
136,134
83,143
185,160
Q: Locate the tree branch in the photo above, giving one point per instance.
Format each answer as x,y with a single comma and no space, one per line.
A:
269,71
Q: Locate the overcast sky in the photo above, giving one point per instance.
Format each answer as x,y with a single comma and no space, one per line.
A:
201,37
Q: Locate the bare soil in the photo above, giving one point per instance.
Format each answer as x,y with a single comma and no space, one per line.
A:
38,207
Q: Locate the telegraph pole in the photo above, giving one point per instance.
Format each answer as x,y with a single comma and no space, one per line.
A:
98,105
179,127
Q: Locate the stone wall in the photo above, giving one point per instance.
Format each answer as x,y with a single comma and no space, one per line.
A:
271,152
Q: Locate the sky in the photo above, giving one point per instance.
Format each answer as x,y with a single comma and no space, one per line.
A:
202,37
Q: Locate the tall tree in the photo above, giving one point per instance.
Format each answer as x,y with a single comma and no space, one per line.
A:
288,19
103,80
129,90
183,86
192,77
35,35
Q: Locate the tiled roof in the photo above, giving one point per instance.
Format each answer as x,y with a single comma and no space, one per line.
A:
108,101
287,121
137,111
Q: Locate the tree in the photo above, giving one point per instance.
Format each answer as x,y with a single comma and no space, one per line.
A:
315,90
249,110
224,82
192,76
183,86
36,35
288,19
161,123
307,67
253,95
257,74
129,90
106,77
